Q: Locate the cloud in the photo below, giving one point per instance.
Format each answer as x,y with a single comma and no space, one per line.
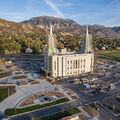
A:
114,4
13,16
18,17
55,8
62,3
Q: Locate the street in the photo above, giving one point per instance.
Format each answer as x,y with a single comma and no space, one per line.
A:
47,111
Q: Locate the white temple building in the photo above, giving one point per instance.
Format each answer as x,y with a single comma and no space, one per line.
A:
61,63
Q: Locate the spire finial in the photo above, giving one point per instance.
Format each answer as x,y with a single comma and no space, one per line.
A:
51,32
87,30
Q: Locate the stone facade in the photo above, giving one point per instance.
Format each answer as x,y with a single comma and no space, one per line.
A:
60,64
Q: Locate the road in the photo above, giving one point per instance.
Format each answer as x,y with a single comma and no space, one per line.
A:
104,115
48,111
89,98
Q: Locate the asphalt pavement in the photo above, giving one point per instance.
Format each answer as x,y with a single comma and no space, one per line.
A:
48,111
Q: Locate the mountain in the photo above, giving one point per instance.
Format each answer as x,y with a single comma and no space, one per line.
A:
17,37
40,25
60,24
116,29
18,28
72,27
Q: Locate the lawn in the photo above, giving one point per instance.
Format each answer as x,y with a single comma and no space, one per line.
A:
101,57
113,55
5,74
3,93
61,114
11,112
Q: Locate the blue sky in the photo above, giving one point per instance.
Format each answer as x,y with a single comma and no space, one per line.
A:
104,12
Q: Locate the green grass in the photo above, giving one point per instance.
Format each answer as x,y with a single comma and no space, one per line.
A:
101,57
3,93
11,112
112,55
5,74
61,115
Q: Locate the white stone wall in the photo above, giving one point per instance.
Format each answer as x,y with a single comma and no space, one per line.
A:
65,65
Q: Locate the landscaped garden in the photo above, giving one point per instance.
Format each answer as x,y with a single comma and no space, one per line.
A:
11,112
61,114
30,100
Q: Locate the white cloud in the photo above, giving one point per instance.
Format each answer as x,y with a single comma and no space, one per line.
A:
55,8
114,4
13,16
63,3
17,17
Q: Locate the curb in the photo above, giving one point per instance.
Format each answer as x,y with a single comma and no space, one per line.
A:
39,109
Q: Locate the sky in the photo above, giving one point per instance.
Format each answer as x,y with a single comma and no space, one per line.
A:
103,12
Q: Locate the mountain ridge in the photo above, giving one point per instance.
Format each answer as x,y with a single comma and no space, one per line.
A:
40,25
17,37
72,27
14,28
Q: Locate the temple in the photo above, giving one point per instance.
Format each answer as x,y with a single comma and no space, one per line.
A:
62,63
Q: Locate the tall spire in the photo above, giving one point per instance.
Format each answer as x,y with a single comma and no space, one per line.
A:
51,42
51,32
87,31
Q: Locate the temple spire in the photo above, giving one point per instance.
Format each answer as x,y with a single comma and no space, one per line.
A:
51,32
87,31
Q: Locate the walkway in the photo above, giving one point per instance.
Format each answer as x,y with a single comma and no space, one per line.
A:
24,92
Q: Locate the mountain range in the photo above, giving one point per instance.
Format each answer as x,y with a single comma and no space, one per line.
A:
41,25
18,28
70,26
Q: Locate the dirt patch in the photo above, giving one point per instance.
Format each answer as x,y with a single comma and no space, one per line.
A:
31,99
70,92
1,70
91,111
19,77
74,97
82,117
34,82
112,103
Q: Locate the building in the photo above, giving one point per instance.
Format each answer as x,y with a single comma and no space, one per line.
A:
28,51
62,63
